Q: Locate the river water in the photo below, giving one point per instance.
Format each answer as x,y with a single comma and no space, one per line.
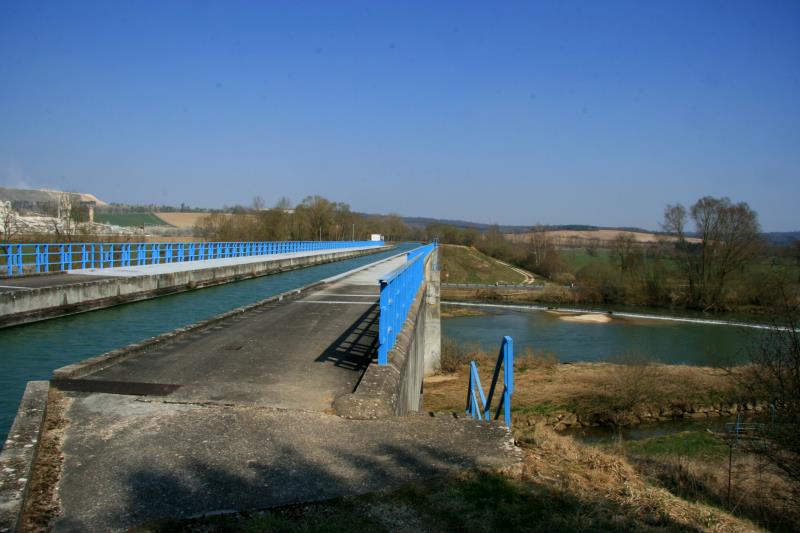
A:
33,351
656,340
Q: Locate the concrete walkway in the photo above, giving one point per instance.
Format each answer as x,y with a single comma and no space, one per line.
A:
237,415
188,266
81,275
40,297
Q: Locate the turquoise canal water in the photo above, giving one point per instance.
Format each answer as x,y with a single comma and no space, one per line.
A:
657,340
33,351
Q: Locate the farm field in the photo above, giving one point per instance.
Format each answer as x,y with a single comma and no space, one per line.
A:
130,219
181,220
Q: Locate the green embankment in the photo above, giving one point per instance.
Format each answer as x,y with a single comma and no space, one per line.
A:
129,219
466,265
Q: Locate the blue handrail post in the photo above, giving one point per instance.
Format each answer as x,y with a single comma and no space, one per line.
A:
38,252
20,267
508,377
383,326
483,410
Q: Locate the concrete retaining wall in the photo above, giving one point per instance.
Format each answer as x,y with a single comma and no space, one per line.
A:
20,307
396,389
18,454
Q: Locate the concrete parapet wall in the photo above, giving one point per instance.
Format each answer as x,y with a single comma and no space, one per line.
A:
20,307
395,389
18,454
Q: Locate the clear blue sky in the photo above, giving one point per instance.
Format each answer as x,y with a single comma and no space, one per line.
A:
552,112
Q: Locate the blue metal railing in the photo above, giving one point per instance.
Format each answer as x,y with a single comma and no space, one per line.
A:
398,290
49,257
479,406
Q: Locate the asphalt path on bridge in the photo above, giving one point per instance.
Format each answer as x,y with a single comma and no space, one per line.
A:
298,353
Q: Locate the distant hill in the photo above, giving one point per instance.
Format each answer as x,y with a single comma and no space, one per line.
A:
778,238
781,238
422,222
42,198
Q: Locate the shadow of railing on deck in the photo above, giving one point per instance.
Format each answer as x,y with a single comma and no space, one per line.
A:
357,347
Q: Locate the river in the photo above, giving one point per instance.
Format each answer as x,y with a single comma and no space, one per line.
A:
704,344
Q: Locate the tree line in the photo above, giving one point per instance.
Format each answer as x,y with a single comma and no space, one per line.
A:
315,218
710,256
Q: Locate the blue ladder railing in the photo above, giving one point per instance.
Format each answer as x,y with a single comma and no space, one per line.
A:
398,290
46,257
479,406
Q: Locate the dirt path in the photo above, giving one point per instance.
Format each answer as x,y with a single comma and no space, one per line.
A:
529,279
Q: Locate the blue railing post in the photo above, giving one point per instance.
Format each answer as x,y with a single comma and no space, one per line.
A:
508,377
18,260
383,326
483,410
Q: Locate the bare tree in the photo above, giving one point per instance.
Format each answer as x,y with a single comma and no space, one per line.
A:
625,251
258,203
729,237
65,225
9,222
539,244
774,375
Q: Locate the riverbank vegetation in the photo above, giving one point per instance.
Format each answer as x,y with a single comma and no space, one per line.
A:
753,480
624,392
710,257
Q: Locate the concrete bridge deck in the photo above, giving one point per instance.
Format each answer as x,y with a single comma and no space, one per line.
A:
237,415
298,353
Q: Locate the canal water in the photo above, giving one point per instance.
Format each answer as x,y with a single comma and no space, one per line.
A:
656,340
33,351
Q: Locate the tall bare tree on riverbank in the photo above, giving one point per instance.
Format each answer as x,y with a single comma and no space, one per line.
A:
729,238
774,375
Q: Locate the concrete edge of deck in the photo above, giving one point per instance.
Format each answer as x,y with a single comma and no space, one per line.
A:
23,307
103,361
395,389
19,452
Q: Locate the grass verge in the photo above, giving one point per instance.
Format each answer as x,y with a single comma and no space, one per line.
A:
460,264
